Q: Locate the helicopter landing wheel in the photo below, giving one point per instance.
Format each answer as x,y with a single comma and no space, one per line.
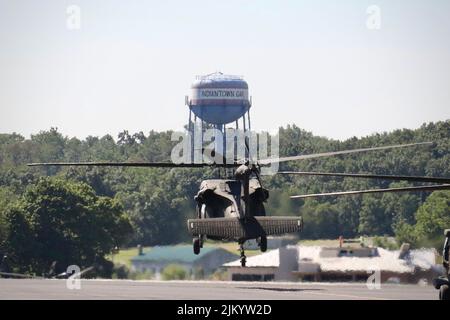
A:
196,245
444,294
263,243
243,261
243,257
201,240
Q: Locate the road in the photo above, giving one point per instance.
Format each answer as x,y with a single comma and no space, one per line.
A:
206,290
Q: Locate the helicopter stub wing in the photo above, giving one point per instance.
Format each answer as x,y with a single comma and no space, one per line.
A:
244,228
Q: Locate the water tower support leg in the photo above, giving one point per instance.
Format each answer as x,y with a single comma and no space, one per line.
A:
235,151
245,136
191,129
224,143
250,131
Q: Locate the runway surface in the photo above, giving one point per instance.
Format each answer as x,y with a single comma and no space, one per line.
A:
206,290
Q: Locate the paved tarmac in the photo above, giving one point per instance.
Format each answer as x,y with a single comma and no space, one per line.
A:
206,290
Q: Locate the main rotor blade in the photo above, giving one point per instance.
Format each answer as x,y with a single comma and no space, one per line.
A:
345,193
19,275
369,176
335,153
135,164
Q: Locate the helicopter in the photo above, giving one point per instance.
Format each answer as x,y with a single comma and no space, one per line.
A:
233,209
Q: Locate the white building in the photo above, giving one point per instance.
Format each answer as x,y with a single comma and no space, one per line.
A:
313,263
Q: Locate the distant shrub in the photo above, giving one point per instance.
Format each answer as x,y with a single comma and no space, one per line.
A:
120,272
219,275
385,242
198,273
146,275
174,272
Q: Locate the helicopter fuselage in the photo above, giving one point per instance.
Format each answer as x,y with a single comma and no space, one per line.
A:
222,214
220,198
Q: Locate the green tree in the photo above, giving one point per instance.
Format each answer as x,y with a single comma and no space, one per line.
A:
321,220
405,232
400,207
65,222
157,201
433,217
373,220
6,199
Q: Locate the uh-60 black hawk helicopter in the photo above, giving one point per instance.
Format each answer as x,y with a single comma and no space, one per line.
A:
233,209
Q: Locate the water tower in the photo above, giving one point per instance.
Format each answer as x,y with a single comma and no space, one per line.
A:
218,101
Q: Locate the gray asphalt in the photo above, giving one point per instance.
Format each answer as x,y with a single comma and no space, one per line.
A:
206,290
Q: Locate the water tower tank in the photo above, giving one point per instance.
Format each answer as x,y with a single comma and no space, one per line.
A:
219,99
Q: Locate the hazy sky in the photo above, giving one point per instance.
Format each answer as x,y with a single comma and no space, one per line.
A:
312,63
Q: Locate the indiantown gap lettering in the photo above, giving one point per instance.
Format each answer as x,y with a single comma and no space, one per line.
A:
220,94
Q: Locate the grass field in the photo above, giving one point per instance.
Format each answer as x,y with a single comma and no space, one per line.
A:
124,256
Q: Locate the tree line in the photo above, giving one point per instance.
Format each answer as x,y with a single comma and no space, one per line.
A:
81,214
